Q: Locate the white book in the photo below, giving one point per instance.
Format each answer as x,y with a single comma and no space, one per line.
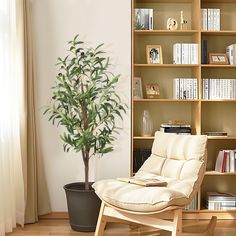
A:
204,19
194,53
203,88
232,161
181,88
209,23
227,166
150,19
206,88
175,54
176,88
217,16
184,53
218,92
195,87
219,161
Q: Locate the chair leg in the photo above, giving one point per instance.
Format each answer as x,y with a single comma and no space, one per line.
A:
177,230
101,222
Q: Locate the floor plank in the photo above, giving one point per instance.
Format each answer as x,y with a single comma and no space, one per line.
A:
61,228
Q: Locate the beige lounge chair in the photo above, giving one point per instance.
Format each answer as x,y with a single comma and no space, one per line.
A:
180,160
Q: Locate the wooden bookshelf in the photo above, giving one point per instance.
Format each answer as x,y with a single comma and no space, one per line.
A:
203,115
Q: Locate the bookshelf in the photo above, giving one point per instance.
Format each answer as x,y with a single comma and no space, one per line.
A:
203,115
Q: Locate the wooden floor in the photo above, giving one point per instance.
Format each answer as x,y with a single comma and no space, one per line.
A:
62,228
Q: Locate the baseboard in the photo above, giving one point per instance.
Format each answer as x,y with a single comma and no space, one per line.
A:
55,216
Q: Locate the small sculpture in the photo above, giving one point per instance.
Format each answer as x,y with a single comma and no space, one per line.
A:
172,24
183,22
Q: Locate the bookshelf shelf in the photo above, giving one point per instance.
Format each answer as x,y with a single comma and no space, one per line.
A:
218,66
202,114
165,100
219,33
168,65
166,32
143,138
218,173
222,137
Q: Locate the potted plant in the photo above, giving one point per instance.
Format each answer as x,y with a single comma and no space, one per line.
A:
86,104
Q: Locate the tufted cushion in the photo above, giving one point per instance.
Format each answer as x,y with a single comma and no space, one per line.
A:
177,159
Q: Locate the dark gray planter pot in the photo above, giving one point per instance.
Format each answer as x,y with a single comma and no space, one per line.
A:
83,207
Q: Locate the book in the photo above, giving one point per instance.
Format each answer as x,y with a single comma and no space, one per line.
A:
231,53
216,133
204,51
143,182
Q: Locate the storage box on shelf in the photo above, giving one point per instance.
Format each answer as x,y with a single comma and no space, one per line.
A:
202,114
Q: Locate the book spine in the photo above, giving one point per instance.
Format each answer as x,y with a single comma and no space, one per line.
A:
150,19
204,19
217,19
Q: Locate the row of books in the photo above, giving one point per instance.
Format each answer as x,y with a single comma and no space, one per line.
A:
231,53
185,88
143,19
139,157
226,161
185,53
176,128
192,205
220,201
210,19
219,89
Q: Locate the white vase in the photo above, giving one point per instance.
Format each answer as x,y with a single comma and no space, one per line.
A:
147,124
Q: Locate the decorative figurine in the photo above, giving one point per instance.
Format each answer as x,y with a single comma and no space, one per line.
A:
183,22
172,24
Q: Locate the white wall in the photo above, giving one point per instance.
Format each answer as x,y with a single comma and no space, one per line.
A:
97,21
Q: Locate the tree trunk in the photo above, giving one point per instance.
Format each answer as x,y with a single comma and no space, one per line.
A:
86,173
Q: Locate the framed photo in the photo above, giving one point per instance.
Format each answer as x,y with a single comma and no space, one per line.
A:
152,91
154,54
218,58
138,89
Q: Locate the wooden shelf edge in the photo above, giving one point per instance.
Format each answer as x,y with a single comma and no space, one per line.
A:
165,100
166,32
166,65
210,173
209,137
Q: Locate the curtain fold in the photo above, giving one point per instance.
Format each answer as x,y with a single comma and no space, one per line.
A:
37,198
12,204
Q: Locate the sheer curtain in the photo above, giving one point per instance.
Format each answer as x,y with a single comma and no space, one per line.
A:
12,204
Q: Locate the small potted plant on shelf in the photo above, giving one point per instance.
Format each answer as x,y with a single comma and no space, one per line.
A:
86,104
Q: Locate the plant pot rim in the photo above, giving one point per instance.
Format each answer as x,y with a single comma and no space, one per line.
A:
69,187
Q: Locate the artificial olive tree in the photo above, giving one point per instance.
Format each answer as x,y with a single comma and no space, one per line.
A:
85,102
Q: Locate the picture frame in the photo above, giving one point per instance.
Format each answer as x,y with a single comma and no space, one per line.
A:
137,88
152,91
218,59
154,54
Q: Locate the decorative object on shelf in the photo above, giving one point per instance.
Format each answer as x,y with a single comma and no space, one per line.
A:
138,89
152,90
147,124
154,54
143,19
218,59
172,24
183,22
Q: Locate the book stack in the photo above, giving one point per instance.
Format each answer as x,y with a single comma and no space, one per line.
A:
192,205
210,19
231,54
185,53
225,161
219,89
221,201
140,156
143,19
176,128
185,88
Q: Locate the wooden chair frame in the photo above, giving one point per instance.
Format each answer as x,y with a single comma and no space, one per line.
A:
153,219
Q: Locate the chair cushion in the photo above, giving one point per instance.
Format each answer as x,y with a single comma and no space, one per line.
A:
138,198
177,159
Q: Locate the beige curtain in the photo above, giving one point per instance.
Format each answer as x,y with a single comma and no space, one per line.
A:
36,193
